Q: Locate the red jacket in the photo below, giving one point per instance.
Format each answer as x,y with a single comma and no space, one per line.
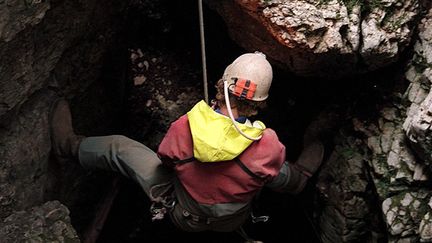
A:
227,181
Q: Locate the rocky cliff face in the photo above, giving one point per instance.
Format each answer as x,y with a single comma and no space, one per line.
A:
327,38
349,210
47,48
394,166
418,122
49,222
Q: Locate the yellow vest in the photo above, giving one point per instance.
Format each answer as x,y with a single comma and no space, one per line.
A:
214,136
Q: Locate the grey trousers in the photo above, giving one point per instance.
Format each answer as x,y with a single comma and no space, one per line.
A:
121,154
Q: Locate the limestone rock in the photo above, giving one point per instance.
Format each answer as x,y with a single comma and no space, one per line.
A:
393,163
397,174
404,211
391,169
348,213
47,48
386,31
49,222
419,116
322,38
425,228
24,159
35,36
15,16
314,25
400,167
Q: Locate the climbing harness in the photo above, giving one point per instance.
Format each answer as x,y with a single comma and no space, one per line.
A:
163,202
203,51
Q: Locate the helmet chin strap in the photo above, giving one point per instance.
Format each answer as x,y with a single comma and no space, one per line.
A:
228,105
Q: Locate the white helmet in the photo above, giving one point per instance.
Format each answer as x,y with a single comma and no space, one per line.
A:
249,76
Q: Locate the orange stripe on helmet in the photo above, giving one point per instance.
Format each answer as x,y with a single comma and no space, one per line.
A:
244,88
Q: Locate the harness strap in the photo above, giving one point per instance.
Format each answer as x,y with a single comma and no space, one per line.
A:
201,219
247,170
236,160
184,161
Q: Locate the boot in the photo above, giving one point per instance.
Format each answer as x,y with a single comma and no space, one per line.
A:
305,167
65,143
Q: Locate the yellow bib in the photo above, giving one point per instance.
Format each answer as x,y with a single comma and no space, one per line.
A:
214,136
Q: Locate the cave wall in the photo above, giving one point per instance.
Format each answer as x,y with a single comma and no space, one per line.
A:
49,222
47,49
390,153
325,38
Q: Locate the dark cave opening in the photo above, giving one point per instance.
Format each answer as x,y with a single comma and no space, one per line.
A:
168,31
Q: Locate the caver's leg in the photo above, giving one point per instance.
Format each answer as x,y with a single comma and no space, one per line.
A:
121,154
116,153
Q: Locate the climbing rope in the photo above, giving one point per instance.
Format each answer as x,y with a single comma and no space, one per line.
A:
203,52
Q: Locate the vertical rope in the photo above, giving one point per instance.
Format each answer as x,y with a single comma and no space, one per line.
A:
203,52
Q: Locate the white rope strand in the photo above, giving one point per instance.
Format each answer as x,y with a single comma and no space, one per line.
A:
203,52
231,116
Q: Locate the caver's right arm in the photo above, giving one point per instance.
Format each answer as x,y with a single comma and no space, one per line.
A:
177,143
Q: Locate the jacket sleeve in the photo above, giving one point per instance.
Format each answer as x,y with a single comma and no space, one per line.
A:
281,181
165,152
176,145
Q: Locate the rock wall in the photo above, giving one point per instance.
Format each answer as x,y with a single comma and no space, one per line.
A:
49,222
391,156
419,117
47,48
401,166
327,38
348,211
25,153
